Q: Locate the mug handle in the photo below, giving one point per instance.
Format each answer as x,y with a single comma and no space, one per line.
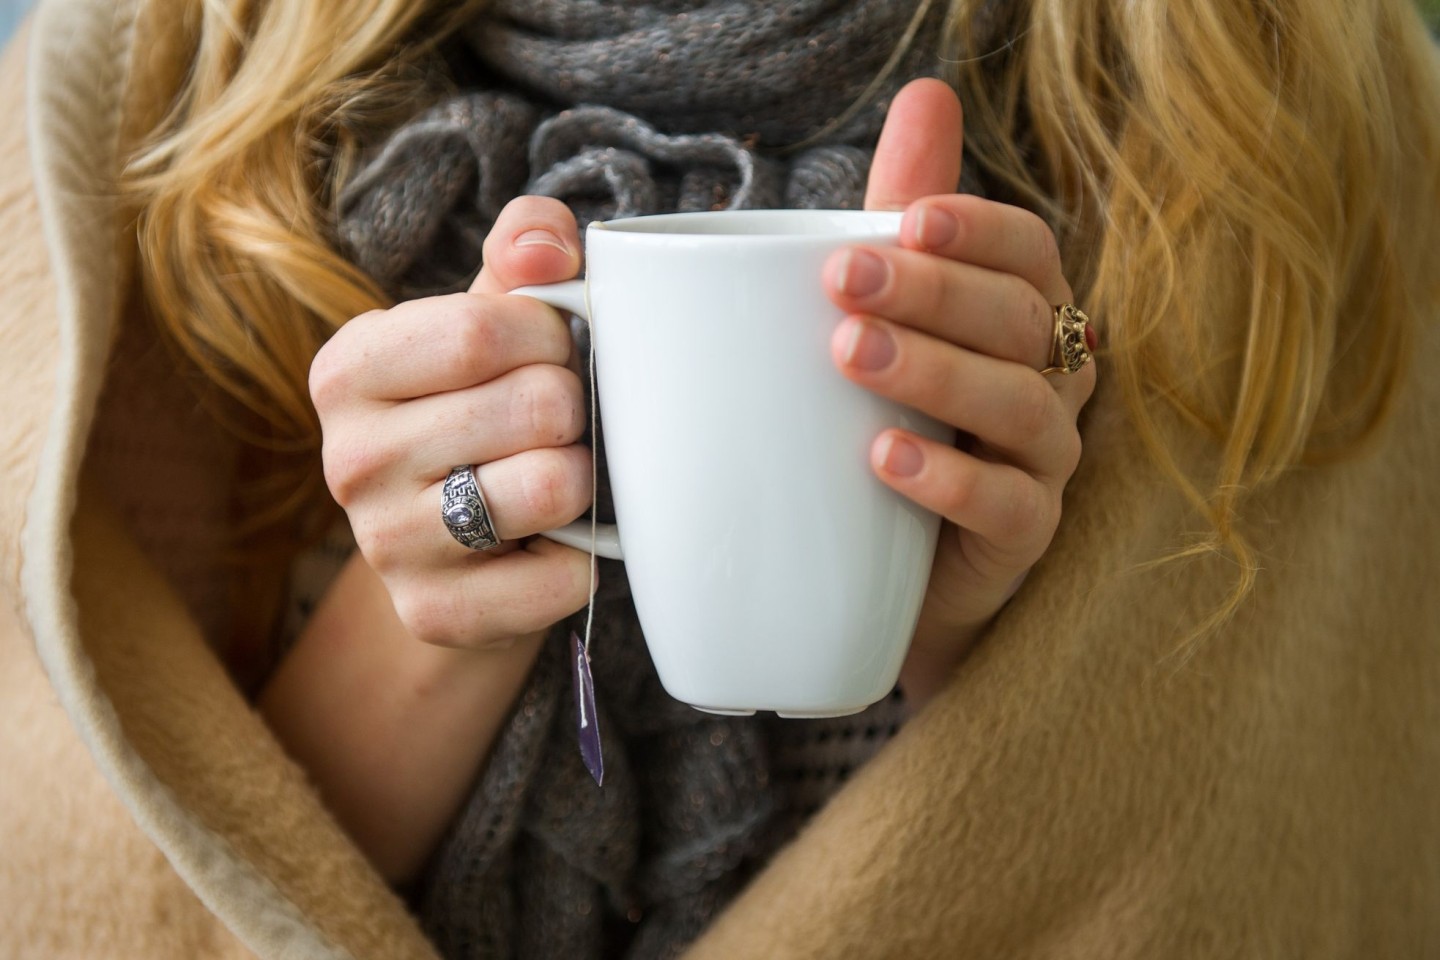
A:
569,295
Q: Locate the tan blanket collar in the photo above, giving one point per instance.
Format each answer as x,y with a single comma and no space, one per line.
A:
179,745
1071,791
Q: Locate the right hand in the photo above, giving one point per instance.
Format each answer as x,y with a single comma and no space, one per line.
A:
476,378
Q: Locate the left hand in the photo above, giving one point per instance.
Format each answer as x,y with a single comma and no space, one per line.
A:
957,322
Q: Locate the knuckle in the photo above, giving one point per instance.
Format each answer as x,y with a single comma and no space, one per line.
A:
377,545
332,375
960,498
427,614
579,564
478,336
1070,452
551,402
350,464
567,583
329,377
557,584
551,492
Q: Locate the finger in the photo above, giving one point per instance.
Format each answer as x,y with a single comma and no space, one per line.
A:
995,313
540,405
477,604
528,492
534,240
435,345
988,234
524,494
1012,511
1009,407
918,152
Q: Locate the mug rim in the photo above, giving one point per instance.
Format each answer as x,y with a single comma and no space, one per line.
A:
855,225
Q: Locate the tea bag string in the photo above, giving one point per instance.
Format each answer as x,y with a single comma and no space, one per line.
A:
586,715
594,471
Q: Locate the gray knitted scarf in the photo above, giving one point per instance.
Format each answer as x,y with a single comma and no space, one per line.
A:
623,109
620,109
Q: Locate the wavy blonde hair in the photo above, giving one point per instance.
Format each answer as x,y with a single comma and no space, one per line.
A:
1254,182
233,194
1229,180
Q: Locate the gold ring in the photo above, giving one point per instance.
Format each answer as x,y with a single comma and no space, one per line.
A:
1070,350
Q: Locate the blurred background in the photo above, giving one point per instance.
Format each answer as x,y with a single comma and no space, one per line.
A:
13,11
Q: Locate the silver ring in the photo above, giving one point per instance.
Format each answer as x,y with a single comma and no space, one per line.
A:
463,509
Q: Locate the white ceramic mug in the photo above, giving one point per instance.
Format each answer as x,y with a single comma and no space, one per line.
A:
770,568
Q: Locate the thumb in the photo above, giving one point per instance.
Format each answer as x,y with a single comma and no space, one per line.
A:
919,150
534,240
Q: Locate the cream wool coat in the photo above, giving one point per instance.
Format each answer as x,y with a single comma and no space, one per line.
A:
1073,793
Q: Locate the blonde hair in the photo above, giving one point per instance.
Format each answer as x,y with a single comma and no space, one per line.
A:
1245,193
232,197
1252,182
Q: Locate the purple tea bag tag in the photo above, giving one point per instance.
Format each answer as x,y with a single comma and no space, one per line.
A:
585,709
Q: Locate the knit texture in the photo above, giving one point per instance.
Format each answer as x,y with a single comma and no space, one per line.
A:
619,110
719,90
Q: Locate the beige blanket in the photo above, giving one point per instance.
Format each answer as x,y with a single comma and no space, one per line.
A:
1072,793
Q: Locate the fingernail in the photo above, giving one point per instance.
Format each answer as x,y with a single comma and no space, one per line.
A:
538,237
870,348
1092,339
863,274
901,457
935,227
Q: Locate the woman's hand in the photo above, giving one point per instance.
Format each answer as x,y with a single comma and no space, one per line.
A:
477,378
393,732
957,323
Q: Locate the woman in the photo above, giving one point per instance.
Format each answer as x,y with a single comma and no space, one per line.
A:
1161,744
